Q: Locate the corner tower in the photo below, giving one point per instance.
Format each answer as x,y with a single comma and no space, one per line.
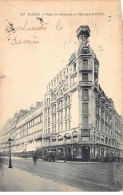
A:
87,59
88,67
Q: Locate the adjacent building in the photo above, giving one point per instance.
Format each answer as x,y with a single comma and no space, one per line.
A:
25,129
76,118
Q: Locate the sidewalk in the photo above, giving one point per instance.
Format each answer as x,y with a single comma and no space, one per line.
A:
59,161
15,179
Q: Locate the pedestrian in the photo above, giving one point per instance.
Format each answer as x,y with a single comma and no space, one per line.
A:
35,158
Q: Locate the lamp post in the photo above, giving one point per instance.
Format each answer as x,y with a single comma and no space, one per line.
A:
10,161
65,148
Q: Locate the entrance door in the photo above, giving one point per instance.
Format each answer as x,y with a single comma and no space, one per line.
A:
85,153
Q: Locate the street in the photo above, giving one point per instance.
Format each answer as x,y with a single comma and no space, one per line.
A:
79,175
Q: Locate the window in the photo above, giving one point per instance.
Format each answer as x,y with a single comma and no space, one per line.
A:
58,117
85,135
65,125
52,119
48,130
64,74
55,118
65,113
85,108
69,112
85,77
84,94
62,116
62,127
102,127
69,124
74,67
61,104
48,122
59,128
84,120
67,100
74,79
55,129
52,129
85,62
96,124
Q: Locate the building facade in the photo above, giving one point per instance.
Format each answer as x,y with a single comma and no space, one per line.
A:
76,117
25,129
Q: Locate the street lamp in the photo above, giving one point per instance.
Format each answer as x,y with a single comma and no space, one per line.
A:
10,162
65,148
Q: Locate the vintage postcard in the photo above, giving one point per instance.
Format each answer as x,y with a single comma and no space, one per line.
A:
61,95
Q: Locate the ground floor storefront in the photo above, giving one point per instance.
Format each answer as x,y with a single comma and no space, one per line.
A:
84,152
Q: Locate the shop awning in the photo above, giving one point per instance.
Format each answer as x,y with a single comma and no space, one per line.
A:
67,136
60,137
75,134
18,151
54,137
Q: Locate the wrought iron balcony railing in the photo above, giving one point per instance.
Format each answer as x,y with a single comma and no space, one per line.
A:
85,126
85,83
85,68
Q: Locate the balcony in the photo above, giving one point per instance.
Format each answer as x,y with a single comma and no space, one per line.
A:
85,83
48,135
53,100
85,68
60,108
60,96
85,126
73,86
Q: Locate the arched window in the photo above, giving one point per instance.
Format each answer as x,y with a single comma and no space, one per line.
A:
67,100
74,67
85,62
85,51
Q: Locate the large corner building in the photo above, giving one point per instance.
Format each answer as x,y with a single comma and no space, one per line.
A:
76,118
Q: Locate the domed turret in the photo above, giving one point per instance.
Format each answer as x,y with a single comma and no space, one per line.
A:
83,32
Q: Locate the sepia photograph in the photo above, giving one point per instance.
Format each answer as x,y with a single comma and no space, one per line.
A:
61,96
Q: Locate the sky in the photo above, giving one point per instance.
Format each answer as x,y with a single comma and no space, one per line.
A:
29,67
